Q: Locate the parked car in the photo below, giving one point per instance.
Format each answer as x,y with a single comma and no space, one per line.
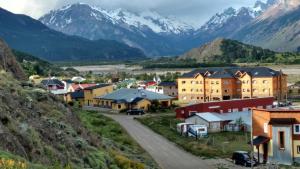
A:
135,112
243,158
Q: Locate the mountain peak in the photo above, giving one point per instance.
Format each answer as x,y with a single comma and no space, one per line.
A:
279,8
150,19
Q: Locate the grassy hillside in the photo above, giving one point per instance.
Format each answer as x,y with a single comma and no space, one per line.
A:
232,51
34,66
37,129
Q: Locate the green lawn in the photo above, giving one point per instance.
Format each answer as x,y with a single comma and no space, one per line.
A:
216,145
126,152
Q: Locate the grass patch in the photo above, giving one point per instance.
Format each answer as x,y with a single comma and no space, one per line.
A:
216,145
125,151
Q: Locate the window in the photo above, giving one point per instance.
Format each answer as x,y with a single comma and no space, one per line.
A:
226,90
298,149
212,82
296,128
217,82
217,91
266,127
119,106
265,82
281,140
225,82
183,82
253,81
183,90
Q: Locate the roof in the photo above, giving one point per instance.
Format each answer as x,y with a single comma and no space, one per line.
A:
282,121
96,86
77,95
209,117
82,86
47,82
131,94
229,72
68,81
167,84
259,140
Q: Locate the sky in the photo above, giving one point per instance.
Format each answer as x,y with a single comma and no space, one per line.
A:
194,12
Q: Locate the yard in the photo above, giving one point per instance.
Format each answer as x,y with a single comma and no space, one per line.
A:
216,145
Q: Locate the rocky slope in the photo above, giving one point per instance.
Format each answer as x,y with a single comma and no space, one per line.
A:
276,29
149,31
8,61
31,36
38,128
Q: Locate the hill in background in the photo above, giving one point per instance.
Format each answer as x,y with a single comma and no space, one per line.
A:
232,51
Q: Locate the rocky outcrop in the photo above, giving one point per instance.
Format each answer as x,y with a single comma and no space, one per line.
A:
8,62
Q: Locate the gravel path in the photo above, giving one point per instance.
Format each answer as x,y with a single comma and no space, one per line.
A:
164,152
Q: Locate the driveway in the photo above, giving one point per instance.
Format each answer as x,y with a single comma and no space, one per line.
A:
164,152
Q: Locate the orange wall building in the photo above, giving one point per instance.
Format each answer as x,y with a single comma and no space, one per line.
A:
276,134
217,84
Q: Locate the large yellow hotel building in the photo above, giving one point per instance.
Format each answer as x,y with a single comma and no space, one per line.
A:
217,84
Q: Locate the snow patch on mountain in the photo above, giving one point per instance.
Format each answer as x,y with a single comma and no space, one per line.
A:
143,20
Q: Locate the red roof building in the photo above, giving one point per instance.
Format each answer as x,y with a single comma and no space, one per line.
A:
75,87
226,106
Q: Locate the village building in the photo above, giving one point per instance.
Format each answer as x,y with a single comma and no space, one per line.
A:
166,88
276,135
52,84
169,88
77,86
85,96
96,91
132,99
226,106
216,122
294,91
217,84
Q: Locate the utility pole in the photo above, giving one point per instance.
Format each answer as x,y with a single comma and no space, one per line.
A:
252,147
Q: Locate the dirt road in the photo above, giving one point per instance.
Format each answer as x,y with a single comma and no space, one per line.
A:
164,152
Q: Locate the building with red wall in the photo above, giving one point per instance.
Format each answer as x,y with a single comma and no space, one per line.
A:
224,106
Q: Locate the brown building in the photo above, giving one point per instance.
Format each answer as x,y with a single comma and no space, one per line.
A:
276,134
216,84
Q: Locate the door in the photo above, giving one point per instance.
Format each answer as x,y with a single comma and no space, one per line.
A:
282,144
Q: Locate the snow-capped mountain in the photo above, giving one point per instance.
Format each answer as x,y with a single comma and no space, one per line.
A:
230,14
147,30
229,21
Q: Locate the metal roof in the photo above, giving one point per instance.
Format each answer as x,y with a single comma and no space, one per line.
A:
131,94
209,117
167,84
229,72
47,82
